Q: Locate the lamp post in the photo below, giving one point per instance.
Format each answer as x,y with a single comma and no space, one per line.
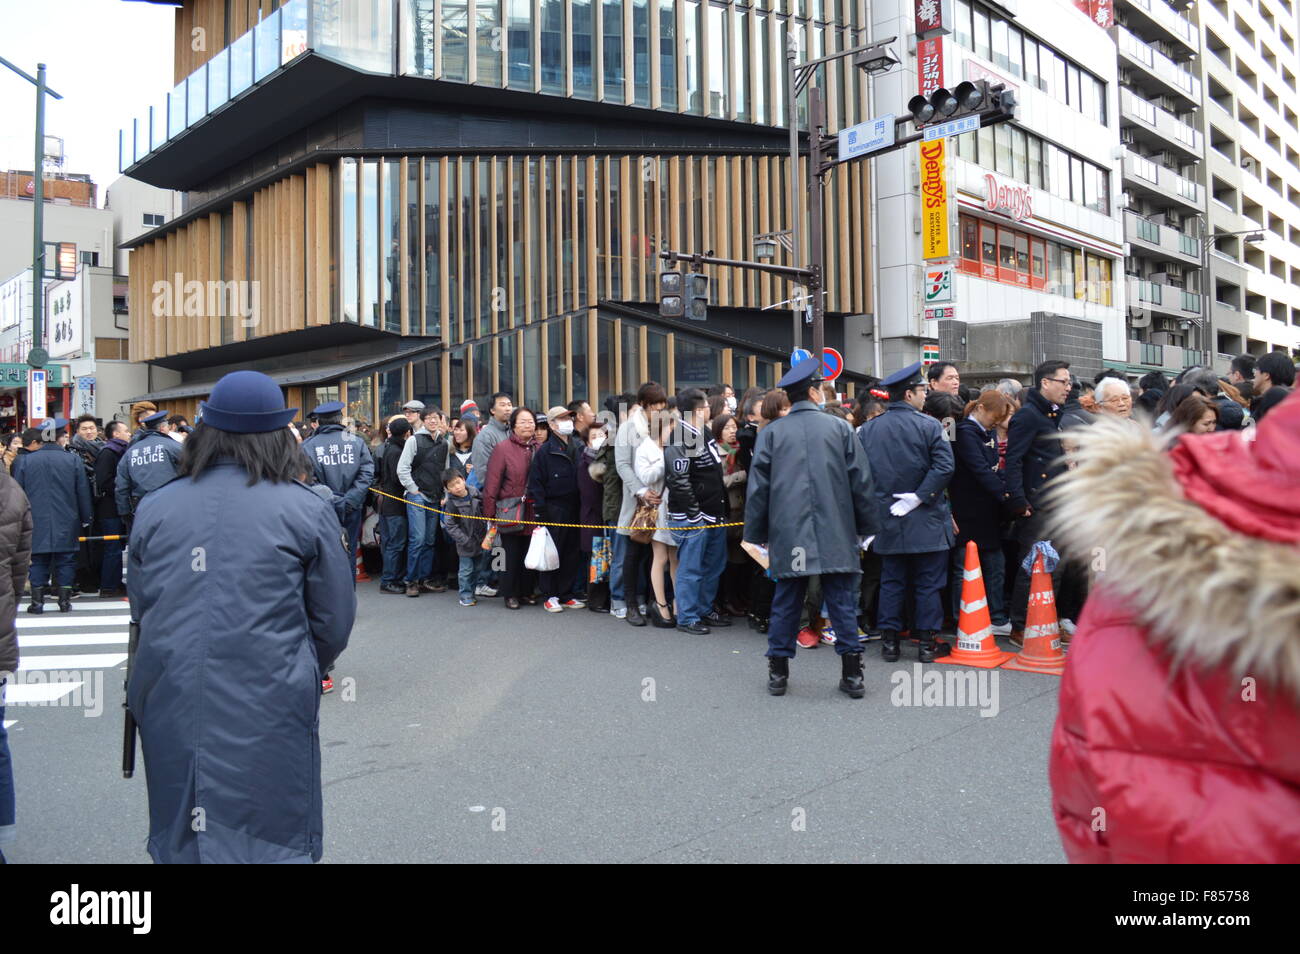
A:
37,356
1210,341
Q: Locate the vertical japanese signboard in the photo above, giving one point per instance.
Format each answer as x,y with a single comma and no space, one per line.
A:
933,18
934,200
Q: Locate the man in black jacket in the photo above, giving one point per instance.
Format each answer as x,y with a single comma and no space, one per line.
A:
553,488
392,512
1274,378
1033,457
696,501
107,520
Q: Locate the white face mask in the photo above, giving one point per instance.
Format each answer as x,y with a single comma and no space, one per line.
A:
564,427
731,405
597,440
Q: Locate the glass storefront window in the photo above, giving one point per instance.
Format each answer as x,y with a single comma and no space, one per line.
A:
696,364
457,380
739,376
413,249
369,243
578,358
390,230
481,358
427,382
556,378
361,401
656,357
507,352
631,357
486,205
392,392
468,216
763,375
326,395
604,360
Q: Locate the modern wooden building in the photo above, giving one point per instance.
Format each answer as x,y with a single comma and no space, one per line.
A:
439,199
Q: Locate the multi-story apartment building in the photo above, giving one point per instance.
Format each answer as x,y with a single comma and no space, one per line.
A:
1037,235
1165,193
442,198
1251,114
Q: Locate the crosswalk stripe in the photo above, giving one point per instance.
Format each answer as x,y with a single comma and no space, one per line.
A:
68,619
47,640
38,692
72,661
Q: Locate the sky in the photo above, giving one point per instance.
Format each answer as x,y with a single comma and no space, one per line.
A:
108,58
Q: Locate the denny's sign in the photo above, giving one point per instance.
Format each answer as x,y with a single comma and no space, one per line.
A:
934,200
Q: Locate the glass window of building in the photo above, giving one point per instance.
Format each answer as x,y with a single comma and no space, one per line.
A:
970,243
641,51
605,343
556,378
1047,60
487,247
962,30
392,392
1080,275
520,44
696,364
966,146
581,387
584,81
1031,62
612,31
1060,73
739,376
532,385
1088,96
1019,155
742,66
390,230
370,243
1022,258
325,395
427,382
1006,255
1015,51
553,42
1001,44
266,39
1037,263
668,54
455,39
1036,162
656,357
1076,179
719,60
1002,149
348,266
1100,94
507,355
432,259
457,377
631,355
988,250
983,45
361,400
481,363
487,31
763,376
413,249
468,218
984,143
691,50
758,66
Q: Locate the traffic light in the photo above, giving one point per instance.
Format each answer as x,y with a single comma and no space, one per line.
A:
697,302
670,295
968,98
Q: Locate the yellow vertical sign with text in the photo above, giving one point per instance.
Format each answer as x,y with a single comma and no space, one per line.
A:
934,199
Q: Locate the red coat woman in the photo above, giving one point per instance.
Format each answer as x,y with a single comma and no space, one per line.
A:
507,477
1176,740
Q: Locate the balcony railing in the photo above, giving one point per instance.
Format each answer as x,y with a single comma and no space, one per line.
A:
358,34
1139,167
1165,15
1159,64
1144,230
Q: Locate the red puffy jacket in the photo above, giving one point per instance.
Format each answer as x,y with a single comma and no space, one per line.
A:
1178,736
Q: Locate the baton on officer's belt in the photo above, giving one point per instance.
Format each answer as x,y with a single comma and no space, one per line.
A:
128,726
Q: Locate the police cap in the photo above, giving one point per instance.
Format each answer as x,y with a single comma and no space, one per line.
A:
910,376
329,407
155,418
803,374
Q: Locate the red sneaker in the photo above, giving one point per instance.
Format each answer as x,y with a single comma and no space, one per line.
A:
808,638
326,685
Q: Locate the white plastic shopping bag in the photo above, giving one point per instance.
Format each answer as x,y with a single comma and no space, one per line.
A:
542,555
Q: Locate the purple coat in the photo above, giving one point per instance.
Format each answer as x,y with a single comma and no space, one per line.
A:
591,493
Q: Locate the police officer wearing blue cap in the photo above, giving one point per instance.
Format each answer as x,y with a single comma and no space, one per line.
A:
342,462
226,682
911,463
809,502
56,485
150,461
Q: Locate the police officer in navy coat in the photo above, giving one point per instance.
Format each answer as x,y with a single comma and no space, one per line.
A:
55,484
150,461
809,500
226,683
342,462
911,464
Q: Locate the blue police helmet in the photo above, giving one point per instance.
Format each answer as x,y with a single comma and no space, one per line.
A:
246,402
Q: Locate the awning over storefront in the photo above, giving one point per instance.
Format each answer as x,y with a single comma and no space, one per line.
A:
295,377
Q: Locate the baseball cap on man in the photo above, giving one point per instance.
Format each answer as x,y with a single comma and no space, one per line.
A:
557,412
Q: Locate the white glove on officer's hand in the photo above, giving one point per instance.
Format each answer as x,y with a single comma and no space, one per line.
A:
865,542
905,505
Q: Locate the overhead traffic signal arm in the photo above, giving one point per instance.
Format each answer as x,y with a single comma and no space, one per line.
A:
991,102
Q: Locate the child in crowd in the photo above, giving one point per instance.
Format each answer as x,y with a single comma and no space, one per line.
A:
464,525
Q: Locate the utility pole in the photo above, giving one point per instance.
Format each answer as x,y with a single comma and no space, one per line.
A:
37,356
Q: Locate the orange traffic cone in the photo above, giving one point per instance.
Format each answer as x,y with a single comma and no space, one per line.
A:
1042,649
362,575
975,643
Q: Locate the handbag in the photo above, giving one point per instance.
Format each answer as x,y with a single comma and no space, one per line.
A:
644,522
510,513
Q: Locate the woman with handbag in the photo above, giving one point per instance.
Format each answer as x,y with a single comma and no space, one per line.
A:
649,463
505,500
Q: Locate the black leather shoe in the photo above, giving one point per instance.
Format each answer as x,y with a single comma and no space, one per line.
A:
778,674
65,599
928,652
432,586
715,620
660,615
851,675
762,625
512,603
634,617
889,646
695,629
38,600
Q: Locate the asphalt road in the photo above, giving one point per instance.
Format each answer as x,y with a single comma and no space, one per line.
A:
483,735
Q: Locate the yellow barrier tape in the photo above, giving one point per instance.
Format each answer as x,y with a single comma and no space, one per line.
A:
543,523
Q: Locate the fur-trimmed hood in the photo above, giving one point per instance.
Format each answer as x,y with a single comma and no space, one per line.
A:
1210,595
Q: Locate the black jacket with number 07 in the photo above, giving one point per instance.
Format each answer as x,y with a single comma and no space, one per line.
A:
693,477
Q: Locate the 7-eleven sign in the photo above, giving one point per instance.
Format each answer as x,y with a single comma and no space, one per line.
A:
929,354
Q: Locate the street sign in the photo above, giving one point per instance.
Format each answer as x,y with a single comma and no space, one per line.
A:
938,283
954,128
832,364
798,354
929,353
36,394
871,136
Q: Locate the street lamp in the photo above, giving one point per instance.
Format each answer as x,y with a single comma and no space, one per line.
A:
766,242
1252,237
37,356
